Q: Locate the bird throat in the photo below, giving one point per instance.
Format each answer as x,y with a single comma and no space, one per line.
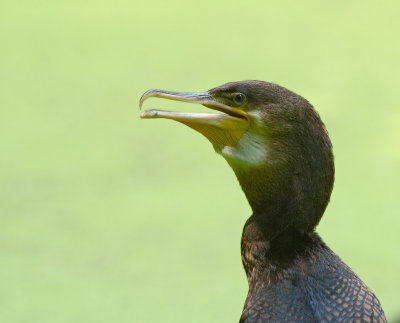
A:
287,200
251,150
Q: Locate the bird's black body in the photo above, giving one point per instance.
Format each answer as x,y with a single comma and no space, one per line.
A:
281,154
309,284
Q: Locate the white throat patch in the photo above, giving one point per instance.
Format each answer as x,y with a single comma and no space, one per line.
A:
251,149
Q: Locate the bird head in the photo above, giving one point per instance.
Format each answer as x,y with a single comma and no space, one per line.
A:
274,141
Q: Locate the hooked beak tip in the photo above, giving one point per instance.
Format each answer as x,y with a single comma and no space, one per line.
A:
144,97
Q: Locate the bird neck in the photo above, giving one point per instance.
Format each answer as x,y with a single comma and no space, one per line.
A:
280,201
265,260
290,191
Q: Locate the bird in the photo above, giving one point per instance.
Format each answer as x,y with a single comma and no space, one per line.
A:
281,153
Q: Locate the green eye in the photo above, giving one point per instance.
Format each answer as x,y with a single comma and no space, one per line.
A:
239,99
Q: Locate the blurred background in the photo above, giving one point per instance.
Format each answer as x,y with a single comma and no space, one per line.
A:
109,218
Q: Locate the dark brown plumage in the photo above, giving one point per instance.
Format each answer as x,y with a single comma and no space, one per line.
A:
279,149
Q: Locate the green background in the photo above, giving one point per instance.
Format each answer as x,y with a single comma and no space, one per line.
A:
109,218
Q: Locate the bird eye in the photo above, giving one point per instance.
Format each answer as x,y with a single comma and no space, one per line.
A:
239,99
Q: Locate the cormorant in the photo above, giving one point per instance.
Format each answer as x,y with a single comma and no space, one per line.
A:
280,151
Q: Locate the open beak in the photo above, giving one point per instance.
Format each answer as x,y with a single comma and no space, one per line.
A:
225,129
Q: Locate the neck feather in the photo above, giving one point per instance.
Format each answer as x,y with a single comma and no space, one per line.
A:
291,189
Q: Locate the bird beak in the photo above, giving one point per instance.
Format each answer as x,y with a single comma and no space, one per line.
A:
225,129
